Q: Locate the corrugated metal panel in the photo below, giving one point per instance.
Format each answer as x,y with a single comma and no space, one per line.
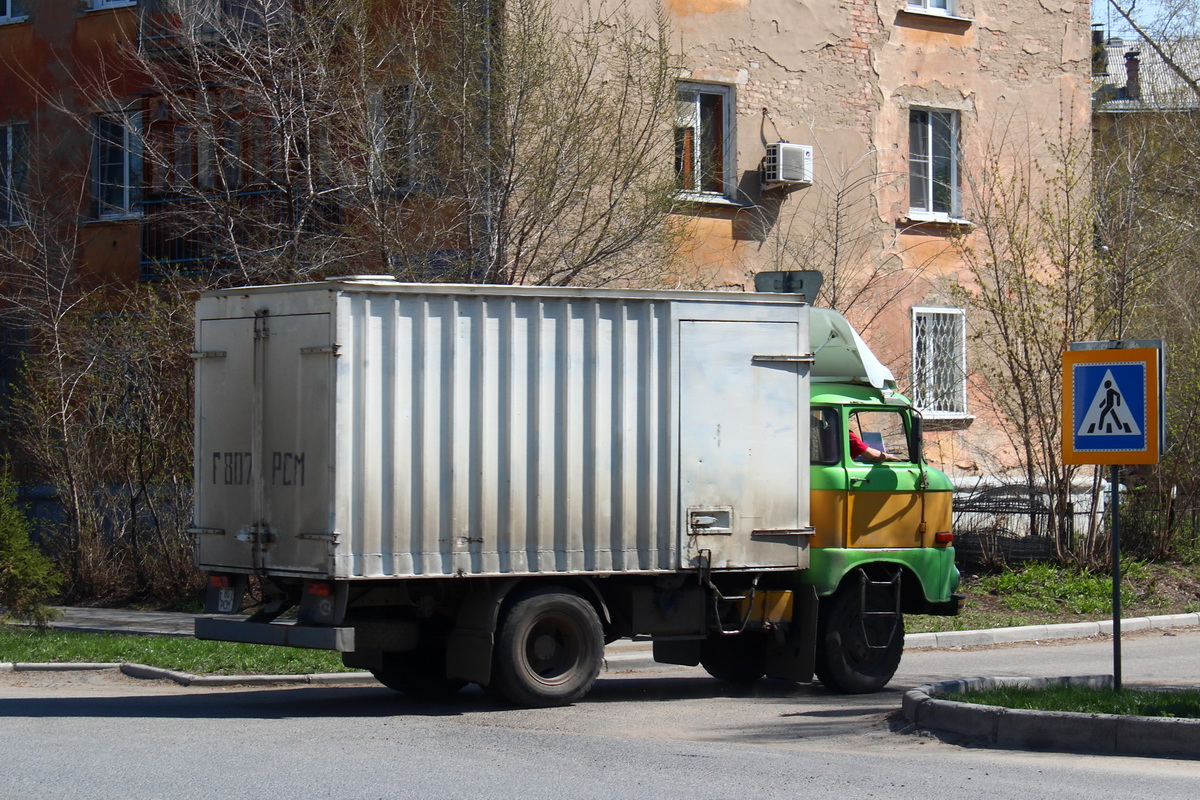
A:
429,431
482,434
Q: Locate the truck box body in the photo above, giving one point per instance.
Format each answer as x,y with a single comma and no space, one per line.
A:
405,431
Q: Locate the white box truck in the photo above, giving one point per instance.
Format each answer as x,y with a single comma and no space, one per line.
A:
458,483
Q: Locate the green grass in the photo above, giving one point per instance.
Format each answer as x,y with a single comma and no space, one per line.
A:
1049,588
1146,703
1045,594
169,652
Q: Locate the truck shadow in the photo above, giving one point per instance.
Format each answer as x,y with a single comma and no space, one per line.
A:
371,701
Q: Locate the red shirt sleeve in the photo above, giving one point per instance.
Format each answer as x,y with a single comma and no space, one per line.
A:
857,445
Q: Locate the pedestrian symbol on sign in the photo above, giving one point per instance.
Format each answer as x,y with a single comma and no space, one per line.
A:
1109,414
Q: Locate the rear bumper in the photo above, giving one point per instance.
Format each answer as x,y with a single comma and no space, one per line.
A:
281,634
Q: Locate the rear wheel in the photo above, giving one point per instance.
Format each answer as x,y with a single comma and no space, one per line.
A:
857,653
549,649
735,659
421,671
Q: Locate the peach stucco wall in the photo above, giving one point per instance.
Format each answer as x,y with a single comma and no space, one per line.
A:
841,75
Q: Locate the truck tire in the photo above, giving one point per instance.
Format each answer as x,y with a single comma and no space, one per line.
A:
735,659
549,649
846,661
420,671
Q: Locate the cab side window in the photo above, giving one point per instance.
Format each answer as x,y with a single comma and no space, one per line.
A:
882,430
825,436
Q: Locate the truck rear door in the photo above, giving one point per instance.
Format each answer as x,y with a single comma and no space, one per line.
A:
743,444
263,392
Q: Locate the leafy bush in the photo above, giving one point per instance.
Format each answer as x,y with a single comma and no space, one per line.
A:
27,577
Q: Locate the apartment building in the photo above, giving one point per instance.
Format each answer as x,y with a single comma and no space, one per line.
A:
837,135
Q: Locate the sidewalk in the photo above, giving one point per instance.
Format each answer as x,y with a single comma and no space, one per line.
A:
119,620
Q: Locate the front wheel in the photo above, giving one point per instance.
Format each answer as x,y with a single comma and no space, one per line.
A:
549,650
857,653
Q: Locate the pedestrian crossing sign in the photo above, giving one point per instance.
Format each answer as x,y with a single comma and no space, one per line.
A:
1112,404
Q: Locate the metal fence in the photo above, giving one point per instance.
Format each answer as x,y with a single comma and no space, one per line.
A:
1011,524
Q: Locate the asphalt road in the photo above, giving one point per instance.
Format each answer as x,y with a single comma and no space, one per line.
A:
661,733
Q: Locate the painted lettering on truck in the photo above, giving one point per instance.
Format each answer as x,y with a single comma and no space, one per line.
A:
235,468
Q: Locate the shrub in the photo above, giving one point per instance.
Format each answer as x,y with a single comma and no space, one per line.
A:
27,577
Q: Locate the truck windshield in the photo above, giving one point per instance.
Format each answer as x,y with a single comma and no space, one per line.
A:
883,430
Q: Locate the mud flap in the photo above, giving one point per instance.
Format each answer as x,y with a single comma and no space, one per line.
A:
469,646
678,651
794,659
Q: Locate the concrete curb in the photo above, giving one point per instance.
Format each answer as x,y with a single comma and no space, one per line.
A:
1034,633
145,672
1108,734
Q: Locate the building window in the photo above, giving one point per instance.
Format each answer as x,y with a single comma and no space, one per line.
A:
96,5
14,342
12,11
395,145
14,166
945,7
939,361
116,164
933,163
704,146
253,13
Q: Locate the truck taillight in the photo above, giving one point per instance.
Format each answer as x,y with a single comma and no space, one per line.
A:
943,537
219,581
322,603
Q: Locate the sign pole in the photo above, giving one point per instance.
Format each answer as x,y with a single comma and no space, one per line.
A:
1116,573
1113,410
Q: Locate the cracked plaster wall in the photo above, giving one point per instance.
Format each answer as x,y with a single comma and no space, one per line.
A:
841,75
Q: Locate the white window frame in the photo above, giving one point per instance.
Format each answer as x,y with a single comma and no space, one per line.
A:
939,363
689,111
129,147
941,8
12,149
9,12
921,166
100,5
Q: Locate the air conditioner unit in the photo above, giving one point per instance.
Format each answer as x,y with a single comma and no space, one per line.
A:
787,164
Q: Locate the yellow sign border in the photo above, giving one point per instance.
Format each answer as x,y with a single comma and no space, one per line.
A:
1147,356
